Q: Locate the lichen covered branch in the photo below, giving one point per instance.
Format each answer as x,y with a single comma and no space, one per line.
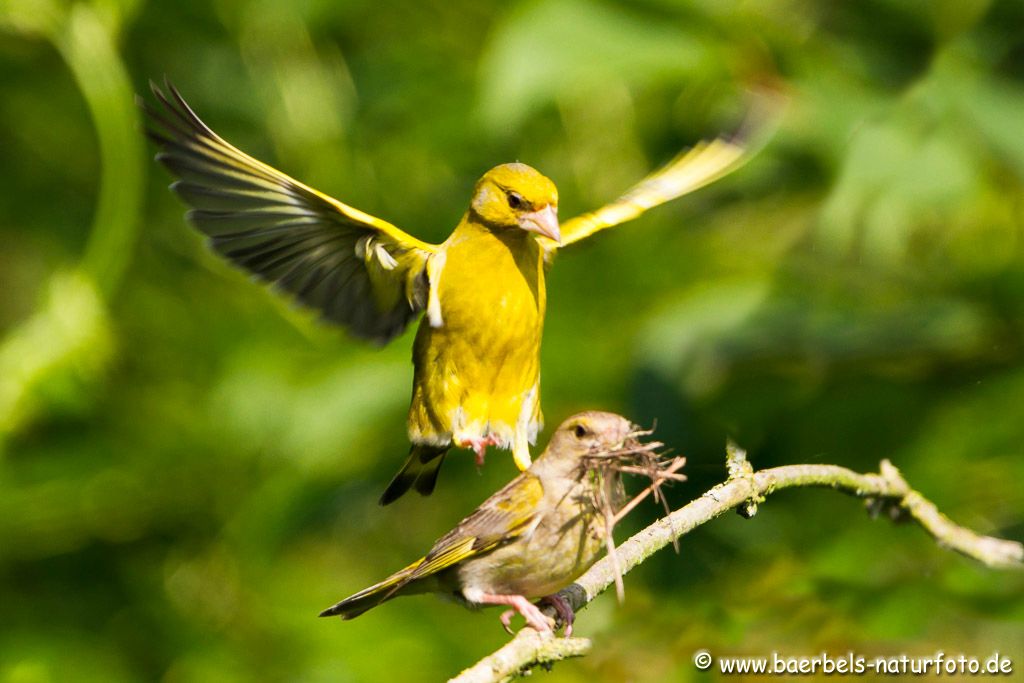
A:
745,488
526,650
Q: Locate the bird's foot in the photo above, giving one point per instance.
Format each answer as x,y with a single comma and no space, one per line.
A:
564,609
535,619
479,446
506,621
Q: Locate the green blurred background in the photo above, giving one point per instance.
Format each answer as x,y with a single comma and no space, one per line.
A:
190,465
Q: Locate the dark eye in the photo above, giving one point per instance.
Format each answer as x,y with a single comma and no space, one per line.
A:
580,431
515,200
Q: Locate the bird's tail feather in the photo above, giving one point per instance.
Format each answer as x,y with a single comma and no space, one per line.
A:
419,471
368,598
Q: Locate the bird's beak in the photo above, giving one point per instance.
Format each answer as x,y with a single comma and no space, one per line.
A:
543,222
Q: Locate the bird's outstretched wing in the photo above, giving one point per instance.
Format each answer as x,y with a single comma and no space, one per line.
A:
356,270
691,170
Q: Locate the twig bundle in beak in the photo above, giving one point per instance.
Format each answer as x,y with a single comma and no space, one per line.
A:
633,457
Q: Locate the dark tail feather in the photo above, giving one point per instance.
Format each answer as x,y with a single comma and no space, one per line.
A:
348,610
427,478
419,471
368,598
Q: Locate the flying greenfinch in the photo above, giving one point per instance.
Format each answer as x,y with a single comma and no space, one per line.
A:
526,542
476,355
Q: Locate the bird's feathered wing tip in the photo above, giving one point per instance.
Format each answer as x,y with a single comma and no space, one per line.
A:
692,169
500,519
419,471
356,270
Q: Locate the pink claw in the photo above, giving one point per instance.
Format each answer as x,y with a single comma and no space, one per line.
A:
506,621
479,446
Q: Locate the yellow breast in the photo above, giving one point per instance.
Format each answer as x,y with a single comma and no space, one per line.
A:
491,288
477,357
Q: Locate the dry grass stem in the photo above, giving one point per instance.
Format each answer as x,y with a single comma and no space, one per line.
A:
636,458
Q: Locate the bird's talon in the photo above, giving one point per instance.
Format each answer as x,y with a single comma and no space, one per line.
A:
565,612
535,619
479,446
506,621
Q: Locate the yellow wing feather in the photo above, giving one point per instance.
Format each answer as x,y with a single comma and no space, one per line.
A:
500,519
691,170
357,270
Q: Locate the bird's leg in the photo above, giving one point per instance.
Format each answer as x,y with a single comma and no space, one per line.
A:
534,617
564,610
479,446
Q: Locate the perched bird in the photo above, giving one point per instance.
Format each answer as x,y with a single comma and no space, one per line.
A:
477,350
527,541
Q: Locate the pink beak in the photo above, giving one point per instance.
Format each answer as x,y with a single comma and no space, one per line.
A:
543,222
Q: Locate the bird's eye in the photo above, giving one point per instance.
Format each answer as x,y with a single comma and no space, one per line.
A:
580,431
515,200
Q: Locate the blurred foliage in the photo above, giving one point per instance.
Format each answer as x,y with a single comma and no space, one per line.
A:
191,465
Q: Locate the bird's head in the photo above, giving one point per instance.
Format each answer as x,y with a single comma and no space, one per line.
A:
517,196
584,434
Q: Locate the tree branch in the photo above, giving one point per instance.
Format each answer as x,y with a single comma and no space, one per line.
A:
887,491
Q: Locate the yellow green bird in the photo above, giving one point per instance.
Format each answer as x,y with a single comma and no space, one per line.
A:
526,542
477,350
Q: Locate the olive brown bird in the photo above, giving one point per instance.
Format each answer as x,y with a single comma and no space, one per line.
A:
527,541
476,355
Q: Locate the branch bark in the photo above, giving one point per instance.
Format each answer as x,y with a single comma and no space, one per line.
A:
887,491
